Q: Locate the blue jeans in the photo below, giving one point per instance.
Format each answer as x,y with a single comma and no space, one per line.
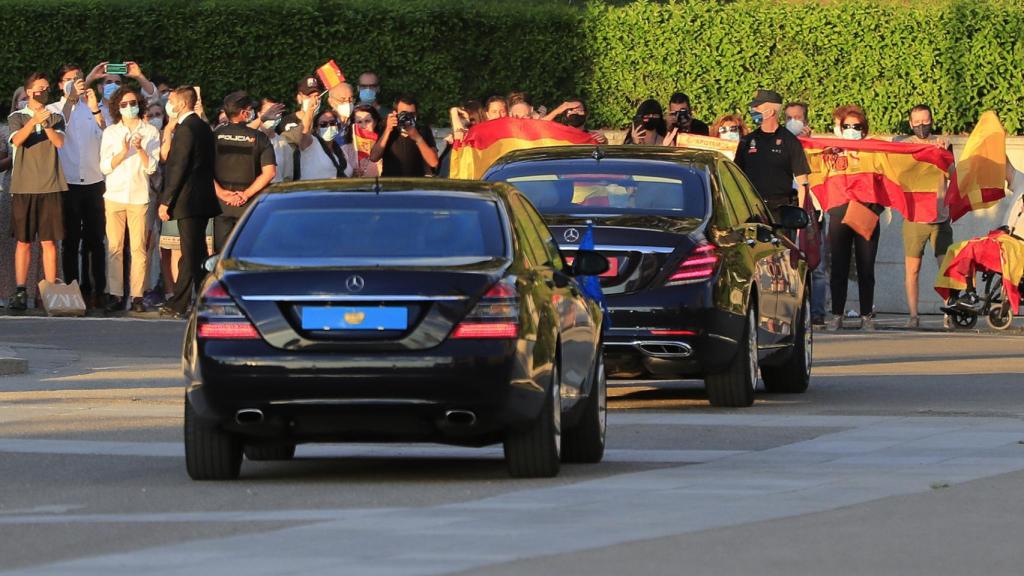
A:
819,277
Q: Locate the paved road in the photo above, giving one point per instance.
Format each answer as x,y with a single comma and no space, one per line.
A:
906,456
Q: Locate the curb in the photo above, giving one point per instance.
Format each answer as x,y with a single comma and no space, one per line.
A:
10,364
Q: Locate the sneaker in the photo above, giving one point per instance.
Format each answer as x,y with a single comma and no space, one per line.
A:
867,323
835,324
138,305
818,320
19,301
913,323
969,302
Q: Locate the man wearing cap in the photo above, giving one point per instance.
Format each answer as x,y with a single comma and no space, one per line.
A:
297,128
243,164
771,156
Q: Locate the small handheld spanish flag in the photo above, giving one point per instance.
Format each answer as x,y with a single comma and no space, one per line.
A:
330,75
363,141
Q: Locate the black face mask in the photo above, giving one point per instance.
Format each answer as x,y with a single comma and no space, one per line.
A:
922,131
576,120
41,97
650,123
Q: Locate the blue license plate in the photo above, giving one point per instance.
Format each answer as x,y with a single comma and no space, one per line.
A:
362,318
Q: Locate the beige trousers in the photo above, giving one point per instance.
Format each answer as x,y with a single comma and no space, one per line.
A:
134,216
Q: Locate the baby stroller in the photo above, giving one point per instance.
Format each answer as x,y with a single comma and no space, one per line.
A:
992,302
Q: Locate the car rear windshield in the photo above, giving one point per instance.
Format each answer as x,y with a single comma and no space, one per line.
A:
367,229
610,187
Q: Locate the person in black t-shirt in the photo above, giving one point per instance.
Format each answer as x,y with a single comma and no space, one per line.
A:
772,157
406,147
680,119
243,165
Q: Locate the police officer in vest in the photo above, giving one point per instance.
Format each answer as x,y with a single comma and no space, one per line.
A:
243,166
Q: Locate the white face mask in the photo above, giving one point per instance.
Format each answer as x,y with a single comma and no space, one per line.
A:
169,108
795,126
328,133
852,134
344,110
734,136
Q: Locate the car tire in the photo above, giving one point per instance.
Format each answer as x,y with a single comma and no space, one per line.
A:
584,443
794,376
734,388
210,453
270,451
536,451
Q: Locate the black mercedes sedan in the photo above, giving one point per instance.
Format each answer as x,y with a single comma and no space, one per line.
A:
404,310
702,282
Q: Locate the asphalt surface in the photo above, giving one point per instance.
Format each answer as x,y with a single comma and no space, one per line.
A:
906,456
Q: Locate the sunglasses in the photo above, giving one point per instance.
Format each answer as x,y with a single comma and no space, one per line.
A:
326,124
724,129
127,103
857,126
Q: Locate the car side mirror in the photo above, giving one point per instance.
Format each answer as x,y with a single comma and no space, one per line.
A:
793,218
589,263
211,263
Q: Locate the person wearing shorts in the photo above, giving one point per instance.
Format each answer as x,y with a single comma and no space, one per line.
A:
917,235
37,185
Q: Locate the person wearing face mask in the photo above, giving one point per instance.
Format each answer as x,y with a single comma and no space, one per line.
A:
188,196
844,244
366,120
270,116
369,92
771,157
112,82
37,183
681,120
129,155
574,113
917,235
648,127
341,99
83,256
324,159
297,128
244,164
729,127
406,147
796,119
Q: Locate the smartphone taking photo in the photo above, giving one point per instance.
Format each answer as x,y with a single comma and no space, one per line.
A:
116,68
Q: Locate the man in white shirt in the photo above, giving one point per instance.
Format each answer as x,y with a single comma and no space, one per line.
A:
129,155
82,255
271,113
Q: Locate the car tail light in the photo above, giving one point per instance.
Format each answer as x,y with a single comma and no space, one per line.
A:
219,318
698,266
496,314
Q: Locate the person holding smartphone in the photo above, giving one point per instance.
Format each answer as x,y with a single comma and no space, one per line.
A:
648,127
113,75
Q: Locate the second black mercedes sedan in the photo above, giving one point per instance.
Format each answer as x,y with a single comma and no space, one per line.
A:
702,283
404,310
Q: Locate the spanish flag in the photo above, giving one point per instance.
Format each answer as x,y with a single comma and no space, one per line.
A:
484,143
997,252
981,171
362,141
330,75
902,176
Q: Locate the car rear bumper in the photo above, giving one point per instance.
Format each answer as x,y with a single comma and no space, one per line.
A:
401,396
672,332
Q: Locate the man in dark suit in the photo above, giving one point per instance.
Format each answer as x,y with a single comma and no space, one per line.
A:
188,195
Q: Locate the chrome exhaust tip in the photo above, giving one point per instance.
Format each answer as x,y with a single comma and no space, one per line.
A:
656,349
249,416
460,417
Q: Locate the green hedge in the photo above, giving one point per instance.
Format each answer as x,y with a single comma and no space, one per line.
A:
961,56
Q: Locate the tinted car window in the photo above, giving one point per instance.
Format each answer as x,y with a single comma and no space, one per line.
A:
609,187
547,241
360,228
733,195
754,201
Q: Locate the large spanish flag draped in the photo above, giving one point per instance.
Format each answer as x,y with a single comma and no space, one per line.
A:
997,252
902,176
488,141
981,171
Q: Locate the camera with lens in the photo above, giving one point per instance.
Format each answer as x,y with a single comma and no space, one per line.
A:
681,119
406,120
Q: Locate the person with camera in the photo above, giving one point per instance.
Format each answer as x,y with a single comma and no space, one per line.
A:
129,154
648,127
113,76
37,183
407,147
681,120
243,164
84,226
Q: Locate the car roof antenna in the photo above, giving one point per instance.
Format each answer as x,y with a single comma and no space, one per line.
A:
597,154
